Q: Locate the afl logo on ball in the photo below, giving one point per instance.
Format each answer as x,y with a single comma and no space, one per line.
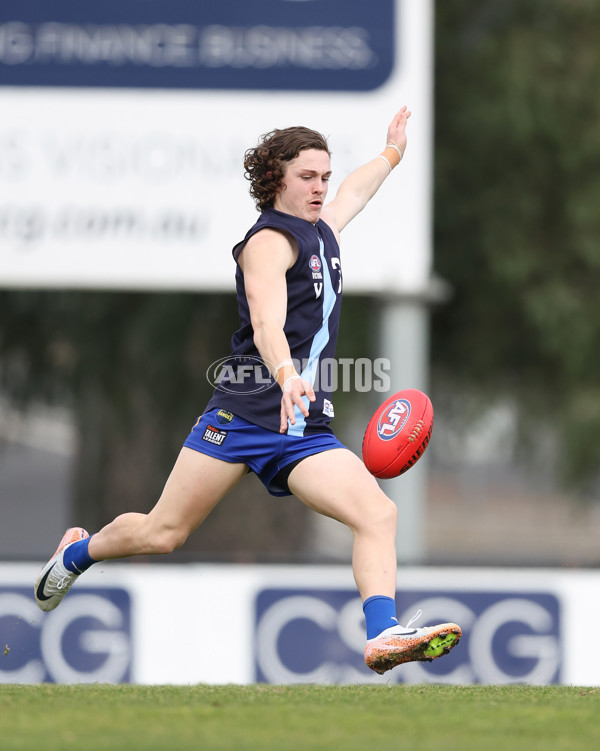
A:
315,263
393,419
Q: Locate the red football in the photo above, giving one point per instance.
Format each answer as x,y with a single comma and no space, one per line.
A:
398,433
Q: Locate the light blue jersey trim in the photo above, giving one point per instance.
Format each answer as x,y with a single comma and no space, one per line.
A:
318,344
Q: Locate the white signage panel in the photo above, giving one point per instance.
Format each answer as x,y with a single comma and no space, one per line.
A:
106,182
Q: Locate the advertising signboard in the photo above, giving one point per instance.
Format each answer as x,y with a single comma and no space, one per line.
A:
124,126
317,636
86,640
160,624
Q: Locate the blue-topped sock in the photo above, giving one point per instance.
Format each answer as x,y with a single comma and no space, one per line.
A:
380,613
76,557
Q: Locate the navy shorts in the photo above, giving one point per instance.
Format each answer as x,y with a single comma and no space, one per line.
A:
226,436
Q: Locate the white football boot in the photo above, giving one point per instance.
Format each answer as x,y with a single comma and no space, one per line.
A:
54,580
399,644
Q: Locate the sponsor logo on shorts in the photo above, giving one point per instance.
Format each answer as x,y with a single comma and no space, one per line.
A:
214,435
224,417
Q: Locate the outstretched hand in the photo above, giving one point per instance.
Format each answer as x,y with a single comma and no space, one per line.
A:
397,130
293,392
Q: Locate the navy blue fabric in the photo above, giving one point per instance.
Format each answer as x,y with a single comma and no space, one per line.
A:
314,286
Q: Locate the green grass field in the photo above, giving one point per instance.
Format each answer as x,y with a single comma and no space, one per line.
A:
310,718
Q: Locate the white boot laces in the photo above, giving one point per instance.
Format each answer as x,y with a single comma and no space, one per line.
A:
414,618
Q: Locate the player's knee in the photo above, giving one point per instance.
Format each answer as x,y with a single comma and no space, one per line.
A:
385,514
377,516
165,541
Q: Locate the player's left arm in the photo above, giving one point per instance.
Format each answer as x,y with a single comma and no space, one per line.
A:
361,185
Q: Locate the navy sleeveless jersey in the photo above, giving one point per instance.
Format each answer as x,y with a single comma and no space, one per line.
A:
314,286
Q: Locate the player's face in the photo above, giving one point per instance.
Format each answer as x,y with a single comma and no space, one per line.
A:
305,184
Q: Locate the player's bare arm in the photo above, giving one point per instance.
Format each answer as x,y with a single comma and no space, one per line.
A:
264,262
361,185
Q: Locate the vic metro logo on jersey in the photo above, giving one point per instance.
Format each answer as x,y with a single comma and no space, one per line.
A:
393,419
315,263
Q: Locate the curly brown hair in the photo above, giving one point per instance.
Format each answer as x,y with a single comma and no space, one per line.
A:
264,164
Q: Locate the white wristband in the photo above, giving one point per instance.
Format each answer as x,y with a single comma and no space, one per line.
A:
287,380
282,363
386,160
